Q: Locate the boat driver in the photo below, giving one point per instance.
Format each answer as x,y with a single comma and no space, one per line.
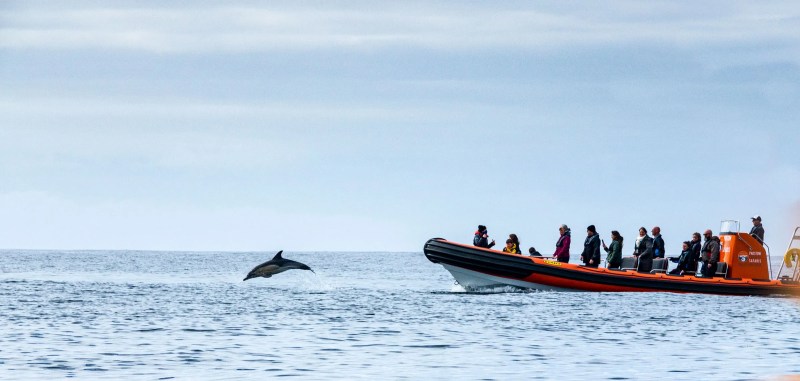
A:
758,230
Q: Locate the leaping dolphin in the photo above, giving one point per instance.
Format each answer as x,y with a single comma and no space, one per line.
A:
276,265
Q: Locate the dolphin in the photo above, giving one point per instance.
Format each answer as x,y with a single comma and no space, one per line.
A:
276,265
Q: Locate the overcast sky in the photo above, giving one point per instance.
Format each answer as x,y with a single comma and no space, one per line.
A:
373,126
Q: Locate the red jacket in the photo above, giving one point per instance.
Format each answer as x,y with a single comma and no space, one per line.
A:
562,248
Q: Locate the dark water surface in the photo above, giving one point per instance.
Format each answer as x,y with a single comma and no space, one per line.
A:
176,315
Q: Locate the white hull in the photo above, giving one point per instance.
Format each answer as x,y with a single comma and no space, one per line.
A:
471,280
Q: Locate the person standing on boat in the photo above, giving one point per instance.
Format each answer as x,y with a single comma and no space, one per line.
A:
515,240
658,243
710,252
639,239
591,248
614,258
757,231
562,245
644,251
695,246
481,238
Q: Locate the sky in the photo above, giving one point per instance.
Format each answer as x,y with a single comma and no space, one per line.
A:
374,126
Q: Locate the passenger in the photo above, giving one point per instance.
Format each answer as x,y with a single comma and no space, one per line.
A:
644,251
481,238
562,245
658,243
509,246
614,258
695,245
710,252
684,260
513,238
639,239
757,231
533,253
591,248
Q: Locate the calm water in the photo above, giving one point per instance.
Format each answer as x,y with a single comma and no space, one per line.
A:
163,315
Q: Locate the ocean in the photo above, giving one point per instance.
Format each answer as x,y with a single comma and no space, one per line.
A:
145,315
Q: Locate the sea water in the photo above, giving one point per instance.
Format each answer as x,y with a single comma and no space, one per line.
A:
189,316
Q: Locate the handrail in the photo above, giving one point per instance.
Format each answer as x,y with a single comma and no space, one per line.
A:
745,242
796,273
769,262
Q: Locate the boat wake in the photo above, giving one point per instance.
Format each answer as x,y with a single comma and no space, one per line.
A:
498,289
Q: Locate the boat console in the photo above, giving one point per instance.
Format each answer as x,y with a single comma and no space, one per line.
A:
746,258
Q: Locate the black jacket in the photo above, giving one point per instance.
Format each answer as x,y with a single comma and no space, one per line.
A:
695,251
645,248
685,260
758,233
645,251
591,250
480,241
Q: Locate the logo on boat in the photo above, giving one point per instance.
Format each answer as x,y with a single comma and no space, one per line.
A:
753,257
552,263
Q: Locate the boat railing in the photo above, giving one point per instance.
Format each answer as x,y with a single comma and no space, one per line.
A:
769,262
789,269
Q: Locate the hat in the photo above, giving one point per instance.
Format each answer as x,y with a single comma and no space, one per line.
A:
756,217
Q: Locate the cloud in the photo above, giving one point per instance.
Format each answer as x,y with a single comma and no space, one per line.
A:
204,109
457,26
30,149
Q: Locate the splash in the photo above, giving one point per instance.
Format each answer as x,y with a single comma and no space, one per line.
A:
499,289
316,282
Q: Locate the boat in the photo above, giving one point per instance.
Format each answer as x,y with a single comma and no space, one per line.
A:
744,269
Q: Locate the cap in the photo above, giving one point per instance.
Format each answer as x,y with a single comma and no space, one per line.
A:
756,217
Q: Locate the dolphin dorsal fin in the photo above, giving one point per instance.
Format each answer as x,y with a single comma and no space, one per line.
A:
278,256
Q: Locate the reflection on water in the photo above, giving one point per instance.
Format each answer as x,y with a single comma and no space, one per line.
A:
156,315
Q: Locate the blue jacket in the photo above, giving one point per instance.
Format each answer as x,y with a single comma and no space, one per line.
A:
658,247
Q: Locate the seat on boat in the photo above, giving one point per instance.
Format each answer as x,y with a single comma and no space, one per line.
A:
659,265
722,270
628,263
691,272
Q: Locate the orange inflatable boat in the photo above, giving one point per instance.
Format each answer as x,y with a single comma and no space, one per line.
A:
744,269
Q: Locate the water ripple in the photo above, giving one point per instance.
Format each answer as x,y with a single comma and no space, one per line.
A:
162,315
